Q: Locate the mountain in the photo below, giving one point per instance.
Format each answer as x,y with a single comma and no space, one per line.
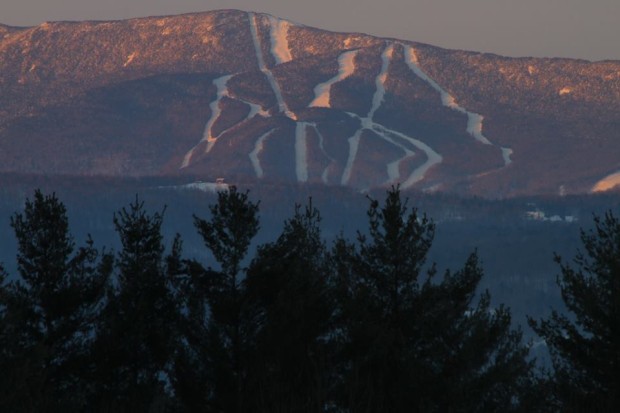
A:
249,97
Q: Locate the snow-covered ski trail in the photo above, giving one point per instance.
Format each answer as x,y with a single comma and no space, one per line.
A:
279,40
263,68
366,123
393,168
474,120
332,161
346,67
354,143
379,95
258,148
432,157
222,90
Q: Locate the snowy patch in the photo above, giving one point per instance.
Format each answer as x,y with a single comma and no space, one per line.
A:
332,161
607,183
506,152
258,148
129,59
322,92
531,70
213,187
279,40
565,91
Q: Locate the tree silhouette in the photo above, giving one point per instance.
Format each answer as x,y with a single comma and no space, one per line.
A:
585,348
292,307
137,334
227,234
50,311
409,342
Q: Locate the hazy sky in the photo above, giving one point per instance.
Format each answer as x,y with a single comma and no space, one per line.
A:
588,29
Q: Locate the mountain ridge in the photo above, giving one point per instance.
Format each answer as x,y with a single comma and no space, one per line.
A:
478,122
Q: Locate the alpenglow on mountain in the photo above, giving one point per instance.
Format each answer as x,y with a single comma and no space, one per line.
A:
250,97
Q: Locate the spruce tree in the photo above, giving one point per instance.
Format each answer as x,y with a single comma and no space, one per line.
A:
585,344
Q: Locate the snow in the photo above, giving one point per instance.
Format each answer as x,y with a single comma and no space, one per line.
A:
506,152
301,152
346,67
258,148
325,174
222,90
354,142
607,183
205,186
255,110
129,59
283,108
379,94
279,40
565,91
393,168
474,120
474,127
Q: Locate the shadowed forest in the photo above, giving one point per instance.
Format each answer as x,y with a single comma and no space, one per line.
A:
359,324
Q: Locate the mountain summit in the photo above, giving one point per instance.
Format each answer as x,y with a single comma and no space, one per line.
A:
248,96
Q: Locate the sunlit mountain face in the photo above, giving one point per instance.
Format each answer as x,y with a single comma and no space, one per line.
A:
250,97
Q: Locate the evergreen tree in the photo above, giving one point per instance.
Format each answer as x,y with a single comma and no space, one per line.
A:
227,235
137,336
585,347
49,312
292,308
409,342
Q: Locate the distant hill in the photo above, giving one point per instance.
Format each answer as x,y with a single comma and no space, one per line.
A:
250,97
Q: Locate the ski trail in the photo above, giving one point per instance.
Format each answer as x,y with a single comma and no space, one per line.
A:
379,95
255,110
222,90
325,174
607,183
366,123
474,120
432,157
322,92
283,108
301,152
393,168
354,143
279,40
258,148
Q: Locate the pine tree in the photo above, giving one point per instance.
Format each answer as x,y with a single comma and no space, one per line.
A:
585,346
409,342
227,234
137,336
292,308
50,310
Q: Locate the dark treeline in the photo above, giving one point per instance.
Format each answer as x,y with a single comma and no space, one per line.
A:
359,325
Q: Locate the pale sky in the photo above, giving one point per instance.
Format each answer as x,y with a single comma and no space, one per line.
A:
588,29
